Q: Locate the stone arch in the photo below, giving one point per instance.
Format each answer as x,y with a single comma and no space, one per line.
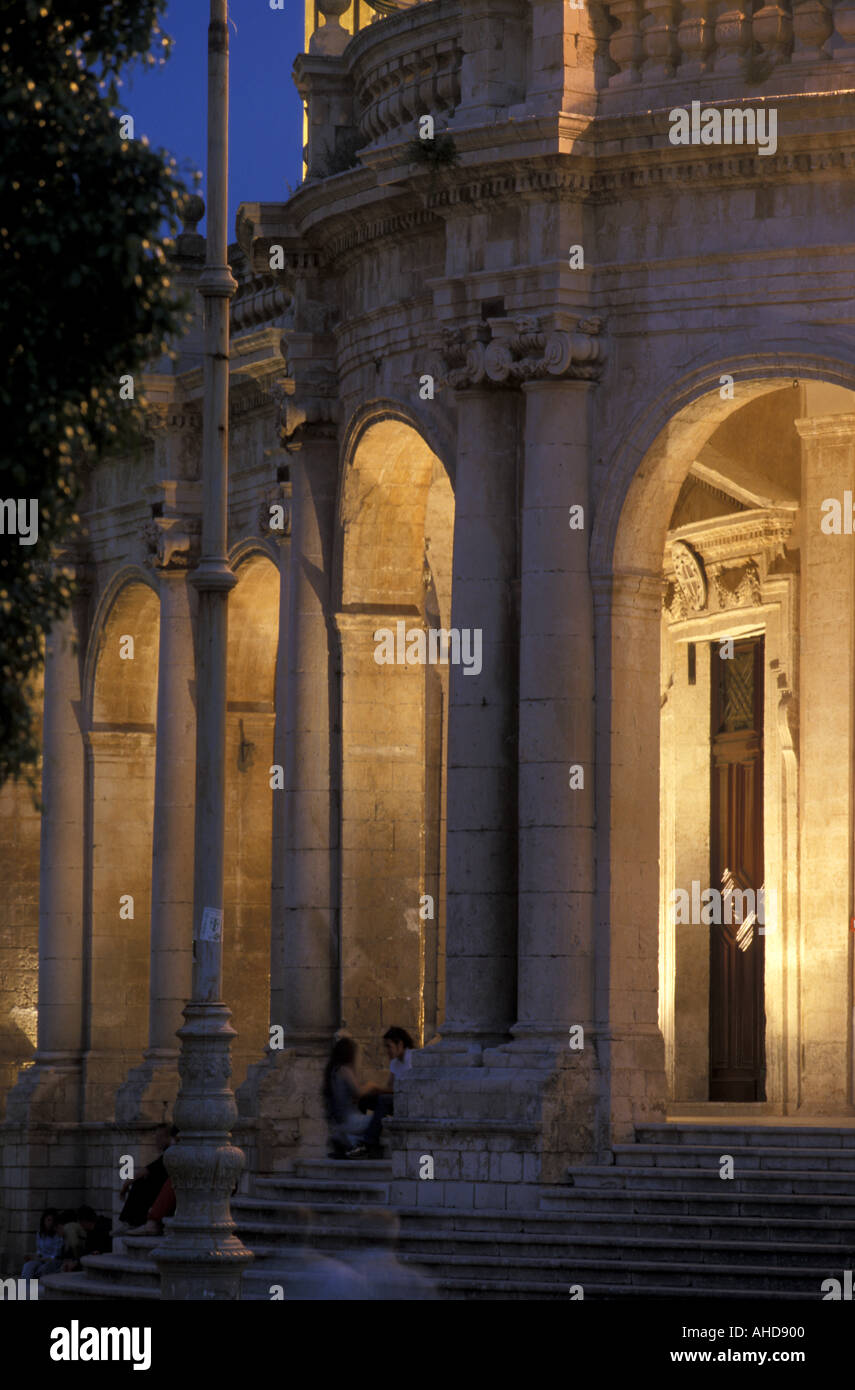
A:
121,686
396,510
647,473
128,575
678,416
253,644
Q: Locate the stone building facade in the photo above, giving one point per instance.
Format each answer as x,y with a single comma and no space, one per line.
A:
585,397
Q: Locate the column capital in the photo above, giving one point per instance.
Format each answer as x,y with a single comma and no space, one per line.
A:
518,351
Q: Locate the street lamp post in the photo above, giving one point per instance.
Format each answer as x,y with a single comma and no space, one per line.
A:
201,1257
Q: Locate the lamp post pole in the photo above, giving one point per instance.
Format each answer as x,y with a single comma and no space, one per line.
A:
201,1257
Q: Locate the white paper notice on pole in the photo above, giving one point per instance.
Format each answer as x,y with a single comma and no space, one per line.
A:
211,928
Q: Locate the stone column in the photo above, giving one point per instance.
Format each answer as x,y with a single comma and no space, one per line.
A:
50,1089
826,746
61,917
482,731
556,793
279,495
44,1106
310,963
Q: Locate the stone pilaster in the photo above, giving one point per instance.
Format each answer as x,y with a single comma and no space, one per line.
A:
826,755
279,495
305,984
630,1046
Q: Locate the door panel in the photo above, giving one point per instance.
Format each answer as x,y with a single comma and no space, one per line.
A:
737,1007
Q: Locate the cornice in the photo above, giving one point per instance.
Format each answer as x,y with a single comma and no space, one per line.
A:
568,156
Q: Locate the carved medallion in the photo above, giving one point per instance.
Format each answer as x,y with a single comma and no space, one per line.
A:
689,574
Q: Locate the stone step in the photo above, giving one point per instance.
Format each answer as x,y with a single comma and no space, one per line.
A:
594,1290
632,1274
796,1181
72,1287
502,1225
379,1169
267,1241
690,1201
753,1156
114,1269
784,1136
136,1248
306,1190
635,1275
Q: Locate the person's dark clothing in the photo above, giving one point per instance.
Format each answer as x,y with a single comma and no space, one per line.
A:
98,1240
143,1193
384,1105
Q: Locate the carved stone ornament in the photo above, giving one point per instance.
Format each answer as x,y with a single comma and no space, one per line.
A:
312,405
512,351
689,575
172,541
736,586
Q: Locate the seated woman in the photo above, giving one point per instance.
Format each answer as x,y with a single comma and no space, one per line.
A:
48,1247
342,1093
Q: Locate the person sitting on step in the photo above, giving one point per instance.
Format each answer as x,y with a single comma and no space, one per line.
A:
399,1049
142,1191
342,1092
48,1247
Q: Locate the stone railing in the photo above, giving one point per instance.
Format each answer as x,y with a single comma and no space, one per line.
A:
769,46
406,68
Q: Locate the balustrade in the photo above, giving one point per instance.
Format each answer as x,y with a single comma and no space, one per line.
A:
653,41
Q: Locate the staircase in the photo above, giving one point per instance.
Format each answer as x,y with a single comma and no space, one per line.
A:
659,1223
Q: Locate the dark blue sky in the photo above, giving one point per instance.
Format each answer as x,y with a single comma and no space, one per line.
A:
168,104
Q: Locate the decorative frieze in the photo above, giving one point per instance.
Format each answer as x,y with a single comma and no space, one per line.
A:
167,417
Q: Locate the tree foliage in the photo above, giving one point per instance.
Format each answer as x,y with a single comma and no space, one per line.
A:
84,294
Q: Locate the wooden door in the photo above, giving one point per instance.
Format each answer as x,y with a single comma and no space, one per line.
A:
737,1009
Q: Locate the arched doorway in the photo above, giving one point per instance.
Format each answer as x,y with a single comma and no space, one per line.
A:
121,771
720,557
397,522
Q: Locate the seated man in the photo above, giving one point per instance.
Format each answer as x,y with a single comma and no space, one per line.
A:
399,1048
73,1240
97,1237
